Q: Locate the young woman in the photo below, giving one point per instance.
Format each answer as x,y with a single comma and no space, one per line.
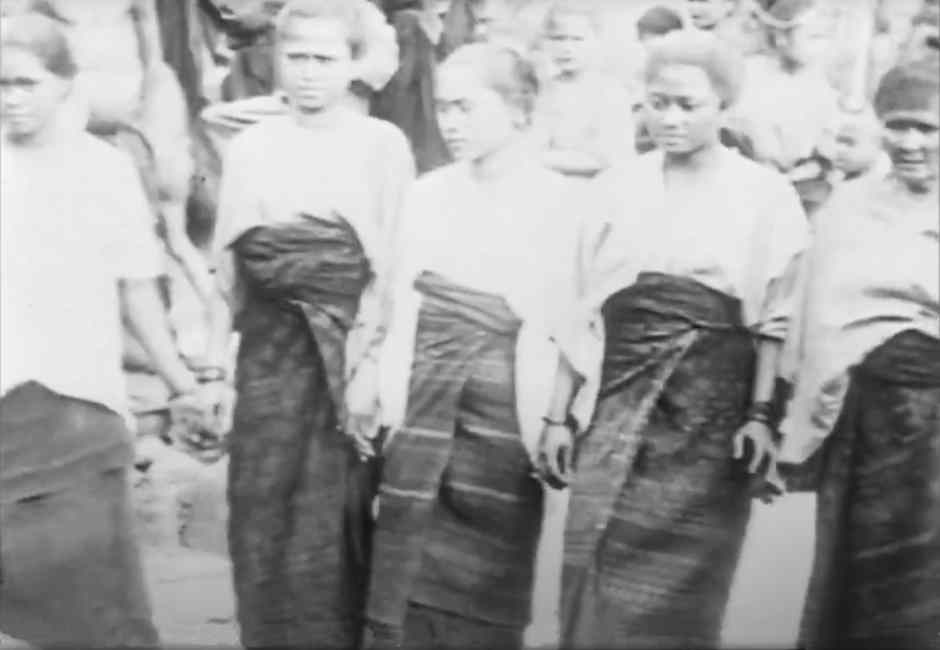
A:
583,117
867,388
486,281
77,251
308,205
691,275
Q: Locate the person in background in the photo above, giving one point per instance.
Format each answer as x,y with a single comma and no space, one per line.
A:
378,66
788,102
485,283
308,208
851,150
866,404
583,118
408,99
692,268
77,251
924,39
710,15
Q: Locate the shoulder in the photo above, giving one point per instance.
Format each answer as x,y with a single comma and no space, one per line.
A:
437,182
381,131
103,157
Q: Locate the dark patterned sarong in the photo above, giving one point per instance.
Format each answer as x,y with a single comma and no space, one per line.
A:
296,577
460,513
658,507
876,578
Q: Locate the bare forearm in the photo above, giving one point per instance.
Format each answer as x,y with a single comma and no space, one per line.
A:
768,356
147,319
567,382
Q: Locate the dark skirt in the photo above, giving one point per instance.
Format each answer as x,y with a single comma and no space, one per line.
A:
876,577
297,577
70,566
460,513
658,507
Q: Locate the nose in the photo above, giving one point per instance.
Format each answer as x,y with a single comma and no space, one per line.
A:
672,116
911,138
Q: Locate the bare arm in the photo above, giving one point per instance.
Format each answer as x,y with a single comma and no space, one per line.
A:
147,319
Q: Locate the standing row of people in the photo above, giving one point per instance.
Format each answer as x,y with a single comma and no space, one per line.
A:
464,345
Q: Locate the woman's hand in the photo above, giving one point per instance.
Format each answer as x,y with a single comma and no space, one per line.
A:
555,455
754,443
363,429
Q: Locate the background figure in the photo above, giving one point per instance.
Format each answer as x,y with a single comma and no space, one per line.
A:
408,99
583,119
788,102
307,212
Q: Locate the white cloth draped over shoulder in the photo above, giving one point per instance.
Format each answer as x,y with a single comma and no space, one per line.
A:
515,237
740,231
356,167
873,271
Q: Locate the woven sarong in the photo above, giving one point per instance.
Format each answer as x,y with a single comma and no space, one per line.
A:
658,506
296,579
876,578
460,513
70,566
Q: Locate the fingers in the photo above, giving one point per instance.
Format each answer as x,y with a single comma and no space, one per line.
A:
757,457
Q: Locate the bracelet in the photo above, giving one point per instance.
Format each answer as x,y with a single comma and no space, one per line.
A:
210,374
555,423
764,412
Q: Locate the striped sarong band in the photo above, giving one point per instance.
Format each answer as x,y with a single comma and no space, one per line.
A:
658,507
460,514
876,578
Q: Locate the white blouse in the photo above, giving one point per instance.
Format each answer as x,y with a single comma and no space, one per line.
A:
873,271
357,167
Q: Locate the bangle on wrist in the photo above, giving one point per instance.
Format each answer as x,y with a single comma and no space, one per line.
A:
209,374
764,412
556,423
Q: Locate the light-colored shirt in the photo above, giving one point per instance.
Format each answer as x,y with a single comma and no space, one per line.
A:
740,231
73,222
592,116
785,114
356,167
873,271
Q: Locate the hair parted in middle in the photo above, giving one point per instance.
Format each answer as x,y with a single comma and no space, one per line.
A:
502,67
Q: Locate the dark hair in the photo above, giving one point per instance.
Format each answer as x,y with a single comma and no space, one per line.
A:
349,12
503,68
41,36
658,21
909,87
724,66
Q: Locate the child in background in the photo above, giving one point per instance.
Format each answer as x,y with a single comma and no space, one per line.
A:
850,151
583,118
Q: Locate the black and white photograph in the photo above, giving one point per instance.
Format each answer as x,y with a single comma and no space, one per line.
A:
470,324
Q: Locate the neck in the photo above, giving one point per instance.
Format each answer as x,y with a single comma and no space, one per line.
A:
695,161
501,162
319,119
570,75
924,188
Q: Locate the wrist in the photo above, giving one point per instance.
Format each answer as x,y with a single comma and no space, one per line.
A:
182,383
765,412
564,421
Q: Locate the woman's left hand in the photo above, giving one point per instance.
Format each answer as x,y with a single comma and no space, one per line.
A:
763,453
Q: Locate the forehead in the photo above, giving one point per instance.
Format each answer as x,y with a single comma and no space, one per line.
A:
321,35
570,23
680,79
458,82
